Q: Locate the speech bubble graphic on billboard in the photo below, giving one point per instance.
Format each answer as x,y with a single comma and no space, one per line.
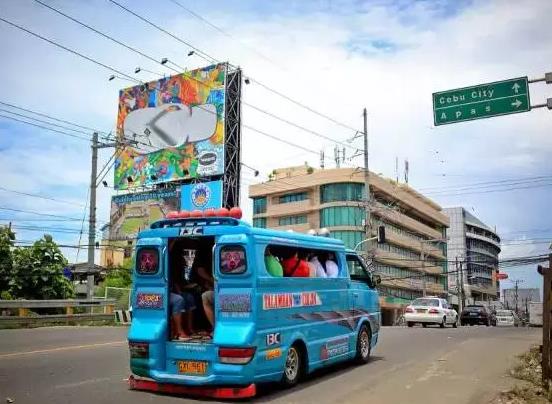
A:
177,124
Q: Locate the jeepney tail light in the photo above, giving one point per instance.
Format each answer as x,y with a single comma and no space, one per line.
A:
409,310
433,311
236,356
138,350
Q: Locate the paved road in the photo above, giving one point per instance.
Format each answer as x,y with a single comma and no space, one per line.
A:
90,365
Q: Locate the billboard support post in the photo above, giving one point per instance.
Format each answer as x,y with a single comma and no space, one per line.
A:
232,152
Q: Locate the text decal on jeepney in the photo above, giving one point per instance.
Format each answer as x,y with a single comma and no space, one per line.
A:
290,300
149,301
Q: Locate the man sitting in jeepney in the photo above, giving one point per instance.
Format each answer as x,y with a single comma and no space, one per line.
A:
182,304
295,266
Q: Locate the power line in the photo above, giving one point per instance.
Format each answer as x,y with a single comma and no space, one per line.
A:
40,213
53,118
199,52
105,35
40,196
135,50
223,32
70,50
212,60
44,127
43,121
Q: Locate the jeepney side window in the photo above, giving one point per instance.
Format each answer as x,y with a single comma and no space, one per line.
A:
357,270
147,261
232,260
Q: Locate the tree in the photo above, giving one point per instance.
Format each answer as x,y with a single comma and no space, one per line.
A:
38,272
6,260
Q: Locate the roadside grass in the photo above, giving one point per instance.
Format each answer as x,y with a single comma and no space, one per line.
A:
531,390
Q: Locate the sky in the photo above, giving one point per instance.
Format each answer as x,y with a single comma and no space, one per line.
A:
337,57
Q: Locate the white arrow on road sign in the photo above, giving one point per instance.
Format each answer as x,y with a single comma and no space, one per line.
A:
516,103
516,87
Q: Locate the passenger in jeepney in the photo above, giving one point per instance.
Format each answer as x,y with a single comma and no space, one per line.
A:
182,302
203,274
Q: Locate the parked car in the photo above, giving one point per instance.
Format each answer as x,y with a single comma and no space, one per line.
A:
507,318
477,314
430,310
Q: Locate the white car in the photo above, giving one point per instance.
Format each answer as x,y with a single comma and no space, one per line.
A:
507,318
430,310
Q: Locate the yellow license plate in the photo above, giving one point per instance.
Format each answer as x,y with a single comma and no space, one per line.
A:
192,367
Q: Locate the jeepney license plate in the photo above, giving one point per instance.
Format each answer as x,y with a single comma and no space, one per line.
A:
192,367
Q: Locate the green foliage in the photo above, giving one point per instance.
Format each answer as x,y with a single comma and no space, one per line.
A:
6,260
38,272
119,277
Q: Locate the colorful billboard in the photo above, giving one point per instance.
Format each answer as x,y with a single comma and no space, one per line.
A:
131,213
178,124
202,195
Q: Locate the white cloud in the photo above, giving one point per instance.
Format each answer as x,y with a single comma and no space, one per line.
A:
328,59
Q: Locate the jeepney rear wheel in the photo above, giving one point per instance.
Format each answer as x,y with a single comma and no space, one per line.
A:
363,345
293,366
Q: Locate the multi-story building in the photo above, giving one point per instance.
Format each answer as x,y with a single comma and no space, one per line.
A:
414,256
476,247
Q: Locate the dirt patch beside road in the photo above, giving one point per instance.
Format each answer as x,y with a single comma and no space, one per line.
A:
529,389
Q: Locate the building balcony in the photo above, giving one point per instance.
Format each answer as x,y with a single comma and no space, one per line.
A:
413,244
403,220
397,260
414,284
482,238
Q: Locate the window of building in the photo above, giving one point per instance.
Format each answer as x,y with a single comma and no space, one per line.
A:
259,205
291,220
350,238
259,222
341,192
341,216
300,196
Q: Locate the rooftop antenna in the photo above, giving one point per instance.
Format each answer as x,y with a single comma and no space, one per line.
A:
406,169
397,169
337,157
322,159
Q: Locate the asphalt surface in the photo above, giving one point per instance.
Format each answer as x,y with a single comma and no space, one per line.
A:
90,365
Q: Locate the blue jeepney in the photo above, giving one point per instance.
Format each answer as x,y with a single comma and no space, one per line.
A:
266,328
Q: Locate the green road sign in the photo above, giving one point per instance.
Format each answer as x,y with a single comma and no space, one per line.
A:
481,101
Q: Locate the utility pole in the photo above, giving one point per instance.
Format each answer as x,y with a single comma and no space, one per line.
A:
422,256
458,287
462,285
92,218
92,213
368,225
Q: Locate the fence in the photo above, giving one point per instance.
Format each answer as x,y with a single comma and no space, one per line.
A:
546,323
24,313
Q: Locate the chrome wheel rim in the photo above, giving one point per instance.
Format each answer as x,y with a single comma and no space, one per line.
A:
292,364
364,344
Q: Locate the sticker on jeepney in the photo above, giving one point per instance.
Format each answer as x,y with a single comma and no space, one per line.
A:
290,300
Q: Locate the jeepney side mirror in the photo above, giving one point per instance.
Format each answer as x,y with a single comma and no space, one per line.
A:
376,279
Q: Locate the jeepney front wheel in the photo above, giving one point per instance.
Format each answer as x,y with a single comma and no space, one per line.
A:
293,366
363,346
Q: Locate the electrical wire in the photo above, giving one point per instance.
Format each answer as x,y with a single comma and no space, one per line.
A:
39,196
70,50
44,127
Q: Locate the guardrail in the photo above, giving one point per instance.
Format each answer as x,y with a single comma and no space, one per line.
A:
69,304
23,307
17,321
